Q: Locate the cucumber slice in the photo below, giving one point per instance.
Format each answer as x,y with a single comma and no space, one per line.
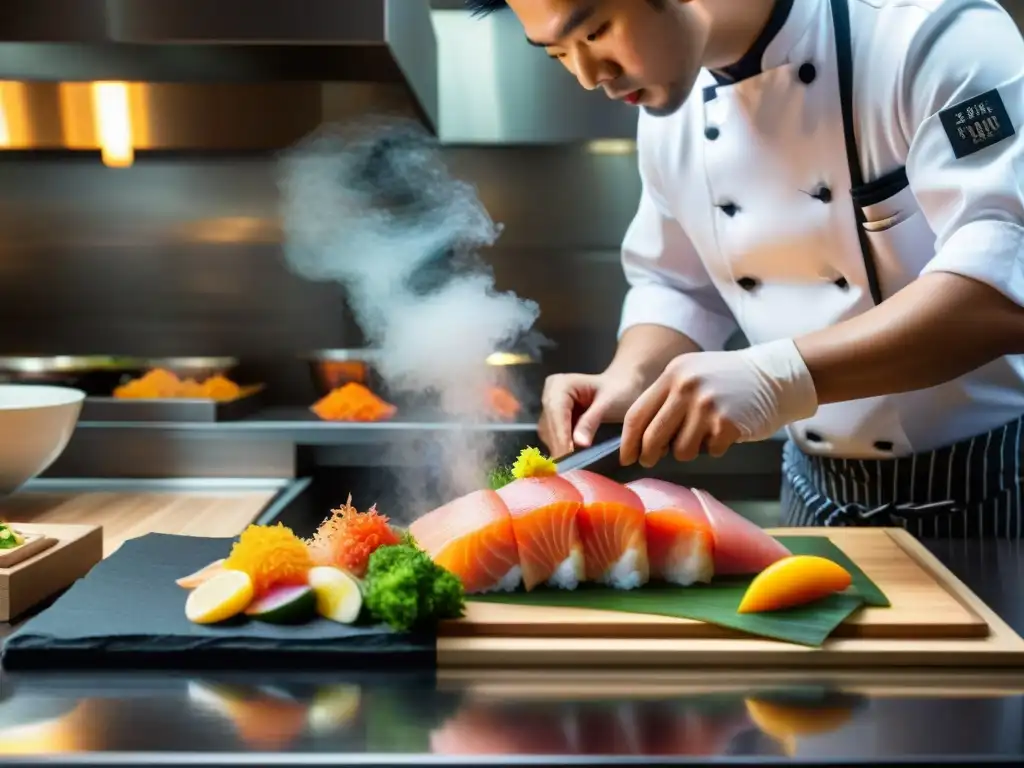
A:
284,605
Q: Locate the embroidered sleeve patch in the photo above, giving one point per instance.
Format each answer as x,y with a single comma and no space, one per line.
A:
976,123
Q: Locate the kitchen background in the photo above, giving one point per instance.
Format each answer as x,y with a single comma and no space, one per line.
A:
179,254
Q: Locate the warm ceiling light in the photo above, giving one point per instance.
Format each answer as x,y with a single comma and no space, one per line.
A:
14,118
611,147
508,358
5,129
113,123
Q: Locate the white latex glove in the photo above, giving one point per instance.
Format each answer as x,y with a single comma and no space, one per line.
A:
715,399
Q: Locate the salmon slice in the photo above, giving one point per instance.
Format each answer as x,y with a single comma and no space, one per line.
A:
611,527
544,512
741,547
680,542
473,538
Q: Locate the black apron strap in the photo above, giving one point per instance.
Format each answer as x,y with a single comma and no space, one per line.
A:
844,60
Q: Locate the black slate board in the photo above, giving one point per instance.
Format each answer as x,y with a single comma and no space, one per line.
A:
128,613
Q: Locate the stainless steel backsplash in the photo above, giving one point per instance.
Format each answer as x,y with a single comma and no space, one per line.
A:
181,256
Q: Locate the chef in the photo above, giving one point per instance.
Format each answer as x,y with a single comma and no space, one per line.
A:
841,180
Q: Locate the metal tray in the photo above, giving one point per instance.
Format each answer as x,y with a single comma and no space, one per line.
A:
98,375
173,409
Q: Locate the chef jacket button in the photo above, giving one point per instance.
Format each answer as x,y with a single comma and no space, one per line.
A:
842,283
807,73
748,283
884,445
824,194
711,133
729,209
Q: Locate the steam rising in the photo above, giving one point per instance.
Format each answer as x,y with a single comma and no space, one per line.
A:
372,206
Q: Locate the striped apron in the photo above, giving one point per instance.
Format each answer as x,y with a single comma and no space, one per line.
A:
971,489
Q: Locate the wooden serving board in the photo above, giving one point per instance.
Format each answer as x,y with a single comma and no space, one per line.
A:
73,550
33,544
933,620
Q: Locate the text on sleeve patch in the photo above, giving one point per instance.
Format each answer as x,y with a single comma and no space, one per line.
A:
976,123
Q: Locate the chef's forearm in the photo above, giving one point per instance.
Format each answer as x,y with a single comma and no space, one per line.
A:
647,349
939,327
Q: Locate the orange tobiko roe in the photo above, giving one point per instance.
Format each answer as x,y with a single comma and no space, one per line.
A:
348,537
272,555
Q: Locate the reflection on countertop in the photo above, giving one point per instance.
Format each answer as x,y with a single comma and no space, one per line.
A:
510,716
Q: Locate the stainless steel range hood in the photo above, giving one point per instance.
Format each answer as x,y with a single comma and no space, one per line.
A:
386,44
498,89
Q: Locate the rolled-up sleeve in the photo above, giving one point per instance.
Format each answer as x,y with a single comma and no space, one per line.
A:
668,284
965,61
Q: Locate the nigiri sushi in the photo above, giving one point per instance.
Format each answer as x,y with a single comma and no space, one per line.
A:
741,547
544,512
611,528
680,543
473,538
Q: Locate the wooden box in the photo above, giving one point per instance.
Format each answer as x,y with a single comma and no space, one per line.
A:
52,558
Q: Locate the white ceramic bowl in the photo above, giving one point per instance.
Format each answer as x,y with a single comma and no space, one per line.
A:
36,423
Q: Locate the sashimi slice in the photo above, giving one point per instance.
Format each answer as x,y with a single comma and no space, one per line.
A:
204,574
680,542
611,528
741,547
544,512
473,538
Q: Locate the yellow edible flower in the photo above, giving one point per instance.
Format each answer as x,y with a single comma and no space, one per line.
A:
533,463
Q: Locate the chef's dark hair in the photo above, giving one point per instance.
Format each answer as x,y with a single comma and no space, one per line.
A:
484,7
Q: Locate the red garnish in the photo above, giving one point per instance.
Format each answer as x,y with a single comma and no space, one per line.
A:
348,537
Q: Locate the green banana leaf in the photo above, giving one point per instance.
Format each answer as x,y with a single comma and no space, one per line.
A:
716,603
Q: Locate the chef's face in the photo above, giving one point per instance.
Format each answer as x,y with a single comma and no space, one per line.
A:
644,52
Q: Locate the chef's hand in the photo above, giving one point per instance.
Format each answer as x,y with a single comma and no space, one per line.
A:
714,399
592,398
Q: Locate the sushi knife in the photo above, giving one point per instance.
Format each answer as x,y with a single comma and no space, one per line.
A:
588,457
597,454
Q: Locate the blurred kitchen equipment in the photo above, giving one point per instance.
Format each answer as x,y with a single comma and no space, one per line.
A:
196,368
333,368
98,375
93,374
519,372
36,423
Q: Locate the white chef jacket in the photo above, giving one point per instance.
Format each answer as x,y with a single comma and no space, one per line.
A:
746,218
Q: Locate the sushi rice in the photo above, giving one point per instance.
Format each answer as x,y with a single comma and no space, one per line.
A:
625,572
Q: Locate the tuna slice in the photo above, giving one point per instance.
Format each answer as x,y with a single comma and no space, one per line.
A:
680,542
611,527
544,512
473,538
741,547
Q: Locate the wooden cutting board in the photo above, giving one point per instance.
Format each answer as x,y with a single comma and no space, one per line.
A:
933,619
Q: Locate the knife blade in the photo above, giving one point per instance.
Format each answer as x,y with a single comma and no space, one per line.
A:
588,457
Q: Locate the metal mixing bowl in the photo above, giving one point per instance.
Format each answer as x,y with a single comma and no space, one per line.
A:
93,374
333,368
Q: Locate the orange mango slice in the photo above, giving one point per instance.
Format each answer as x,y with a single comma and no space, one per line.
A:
792,581
204,574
